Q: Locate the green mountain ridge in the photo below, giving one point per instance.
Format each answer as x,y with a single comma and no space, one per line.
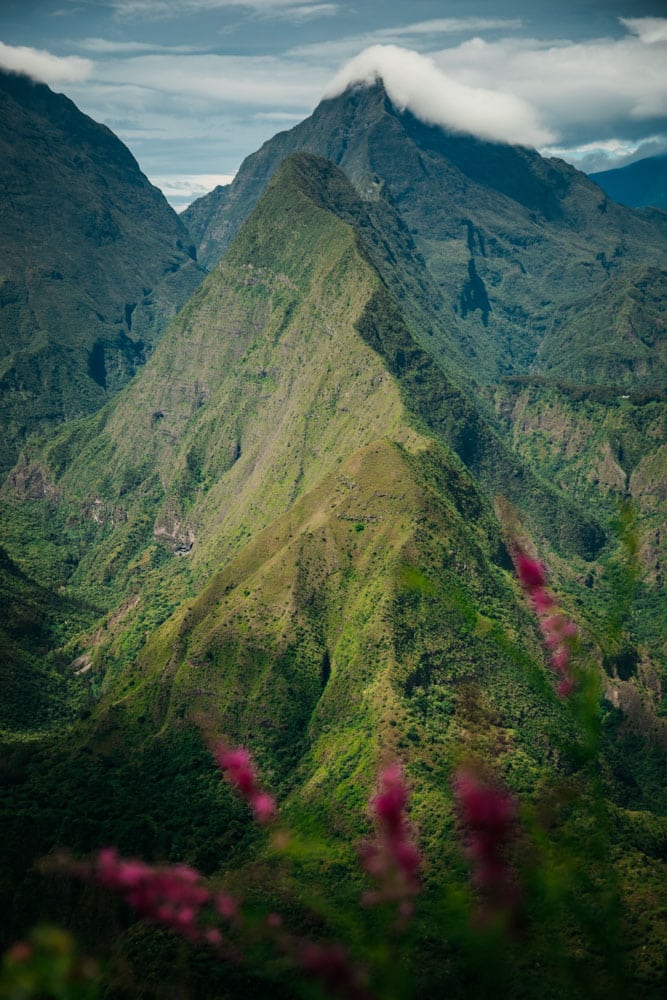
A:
261,385
512,241
93,261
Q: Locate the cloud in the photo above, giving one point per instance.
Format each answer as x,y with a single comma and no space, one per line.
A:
306,11
608,154
413,81
159,9
649,30
211,79
106,46
44,66
416,33
278,116
449,26
182,189
594,90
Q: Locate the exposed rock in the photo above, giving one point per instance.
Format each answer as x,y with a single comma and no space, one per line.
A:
174,533
30,482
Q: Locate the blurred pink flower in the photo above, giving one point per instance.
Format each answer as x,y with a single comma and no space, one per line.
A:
392,857
557,630
239,770
173,896
488,815
332,965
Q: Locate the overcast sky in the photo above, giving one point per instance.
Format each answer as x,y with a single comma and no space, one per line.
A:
194,86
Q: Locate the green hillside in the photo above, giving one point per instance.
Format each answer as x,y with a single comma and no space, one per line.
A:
290,356
619,338
604,450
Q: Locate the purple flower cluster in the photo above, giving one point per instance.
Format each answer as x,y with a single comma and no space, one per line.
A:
172,896
489,815
239,770
558,632
391,857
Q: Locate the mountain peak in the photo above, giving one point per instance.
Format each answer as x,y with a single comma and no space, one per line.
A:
319,179
415,82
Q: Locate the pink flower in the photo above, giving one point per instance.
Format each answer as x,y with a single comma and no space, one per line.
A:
226,906
557,630
391,857
174,897
263,806
239,771
488,815
238,768
531,573
565,687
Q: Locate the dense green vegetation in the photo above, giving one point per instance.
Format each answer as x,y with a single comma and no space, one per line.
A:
293,529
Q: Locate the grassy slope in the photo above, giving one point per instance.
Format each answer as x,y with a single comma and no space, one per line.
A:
260,387
618,339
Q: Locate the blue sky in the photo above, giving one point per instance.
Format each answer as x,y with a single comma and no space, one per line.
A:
194,86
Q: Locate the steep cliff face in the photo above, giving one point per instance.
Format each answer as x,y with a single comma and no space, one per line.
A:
93,262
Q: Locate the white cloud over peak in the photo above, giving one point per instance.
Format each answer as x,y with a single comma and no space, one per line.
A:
590,88
416,83
648,29
44,66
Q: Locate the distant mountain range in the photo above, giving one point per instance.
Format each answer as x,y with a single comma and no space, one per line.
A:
641,184
292,515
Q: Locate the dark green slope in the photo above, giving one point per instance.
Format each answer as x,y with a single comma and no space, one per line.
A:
38,687
93,262
639,184
510,239
606,449
618,337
